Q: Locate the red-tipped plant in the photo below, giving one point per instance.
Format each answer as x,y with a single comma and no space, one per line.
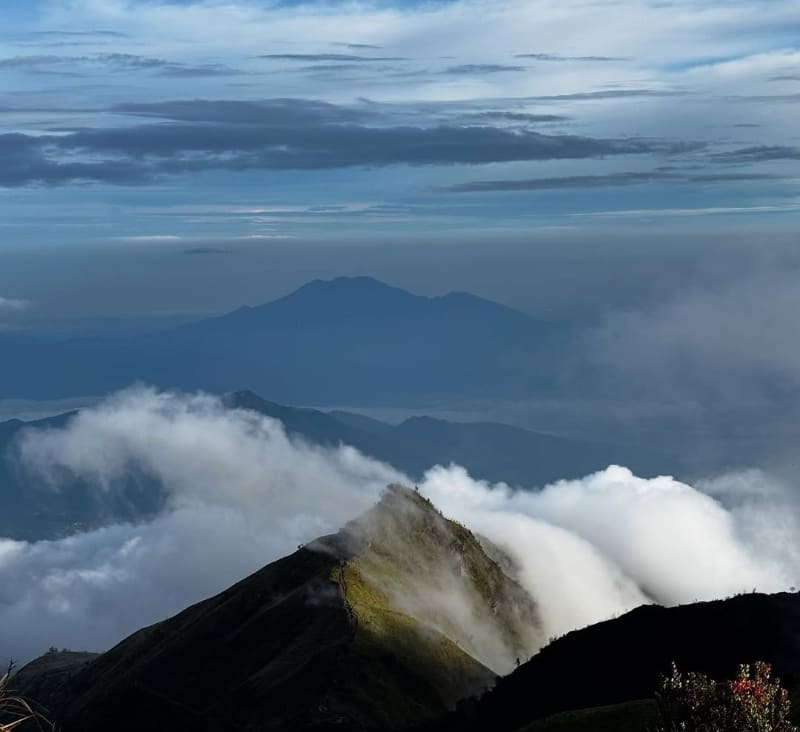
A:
753,702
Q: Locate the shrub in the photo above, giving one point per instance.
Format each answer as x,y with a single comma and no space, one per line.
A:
753,702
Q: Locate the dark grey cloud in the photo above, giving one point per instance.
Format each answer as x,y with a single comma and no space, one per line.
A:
357,46
557,57
26,161
280,135
328,57
573,181
633,178
732,177
298,112
32,61
608,94
470,69
765,98
335,67
785,77
99,33
520,116
759,154
43,63
199,251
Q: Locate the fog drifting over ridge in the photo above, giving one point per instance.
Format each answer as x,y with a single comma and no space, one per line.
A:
241,493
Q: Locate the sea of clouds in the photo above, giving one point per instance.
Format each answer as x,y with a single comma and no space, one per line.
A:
242,493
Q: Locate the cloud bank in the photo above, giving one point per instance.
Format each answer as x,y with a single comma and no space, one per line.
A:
242,493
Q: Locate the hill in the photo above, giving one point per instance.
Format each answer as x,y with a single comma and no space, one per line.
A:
32,509
606,670
350,340
490,451
355,631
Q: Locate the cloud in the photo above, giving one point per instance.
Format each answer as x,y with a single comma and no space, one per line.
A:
477,69
608,94
557,57
117,62
14,304
574,181
631,178
241,493
364,46
521,116
729,341
99,33
329,57
280,135
758,154
271,112
205,250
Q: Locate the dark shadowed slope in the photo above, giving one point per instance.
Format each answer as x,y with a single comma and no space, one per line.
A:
351,340
620,661
318,640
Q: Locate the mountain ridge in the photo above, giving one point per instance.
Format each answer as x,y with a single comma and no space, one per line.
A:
489,451
313,641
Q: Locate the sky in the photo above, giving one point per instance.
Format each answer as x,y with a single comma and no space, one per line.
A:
184,123
630,163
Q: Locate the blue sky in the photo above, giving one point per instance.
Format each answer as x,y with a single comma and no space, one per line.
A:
185,124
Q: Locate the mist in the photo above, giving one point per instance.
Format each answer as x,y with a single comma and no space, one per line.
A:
241,493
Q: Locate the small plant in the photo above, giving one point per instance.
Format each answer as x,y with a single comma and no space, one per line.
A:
15,711
753,702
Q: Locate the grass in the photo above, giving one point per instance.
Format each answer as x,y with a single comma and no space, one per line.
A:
16,711
635,716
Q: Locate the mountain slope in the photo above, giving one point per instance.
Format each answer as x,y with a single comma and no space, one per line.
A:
33,509
488,450
351,340
318,640
494,452
620,661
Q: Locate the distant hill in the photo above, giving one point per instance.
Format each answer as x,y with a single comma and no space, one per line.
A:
608,668
494,452
345,634
350,340
489,450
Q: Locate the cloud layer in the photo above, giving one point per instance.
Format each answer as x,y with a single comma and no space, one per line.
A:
242,494
280,134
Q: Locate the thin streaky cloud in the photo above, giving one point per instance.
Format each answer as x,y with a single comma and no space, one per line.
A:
312,57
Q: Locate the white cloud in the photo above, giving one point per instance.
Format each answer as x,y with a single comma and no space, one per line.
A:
731,340
14,304
242,494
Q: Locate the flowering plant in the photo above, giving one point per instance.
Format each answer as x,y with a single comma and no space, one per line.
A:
753,702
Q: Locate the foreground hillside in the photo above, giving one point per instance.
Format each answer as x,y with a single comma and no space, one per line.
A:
606,669
404,620
356,631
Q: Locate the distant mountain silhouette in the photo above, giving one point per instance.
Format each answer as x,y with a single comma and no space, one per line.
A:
313,641
350,340
489,451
